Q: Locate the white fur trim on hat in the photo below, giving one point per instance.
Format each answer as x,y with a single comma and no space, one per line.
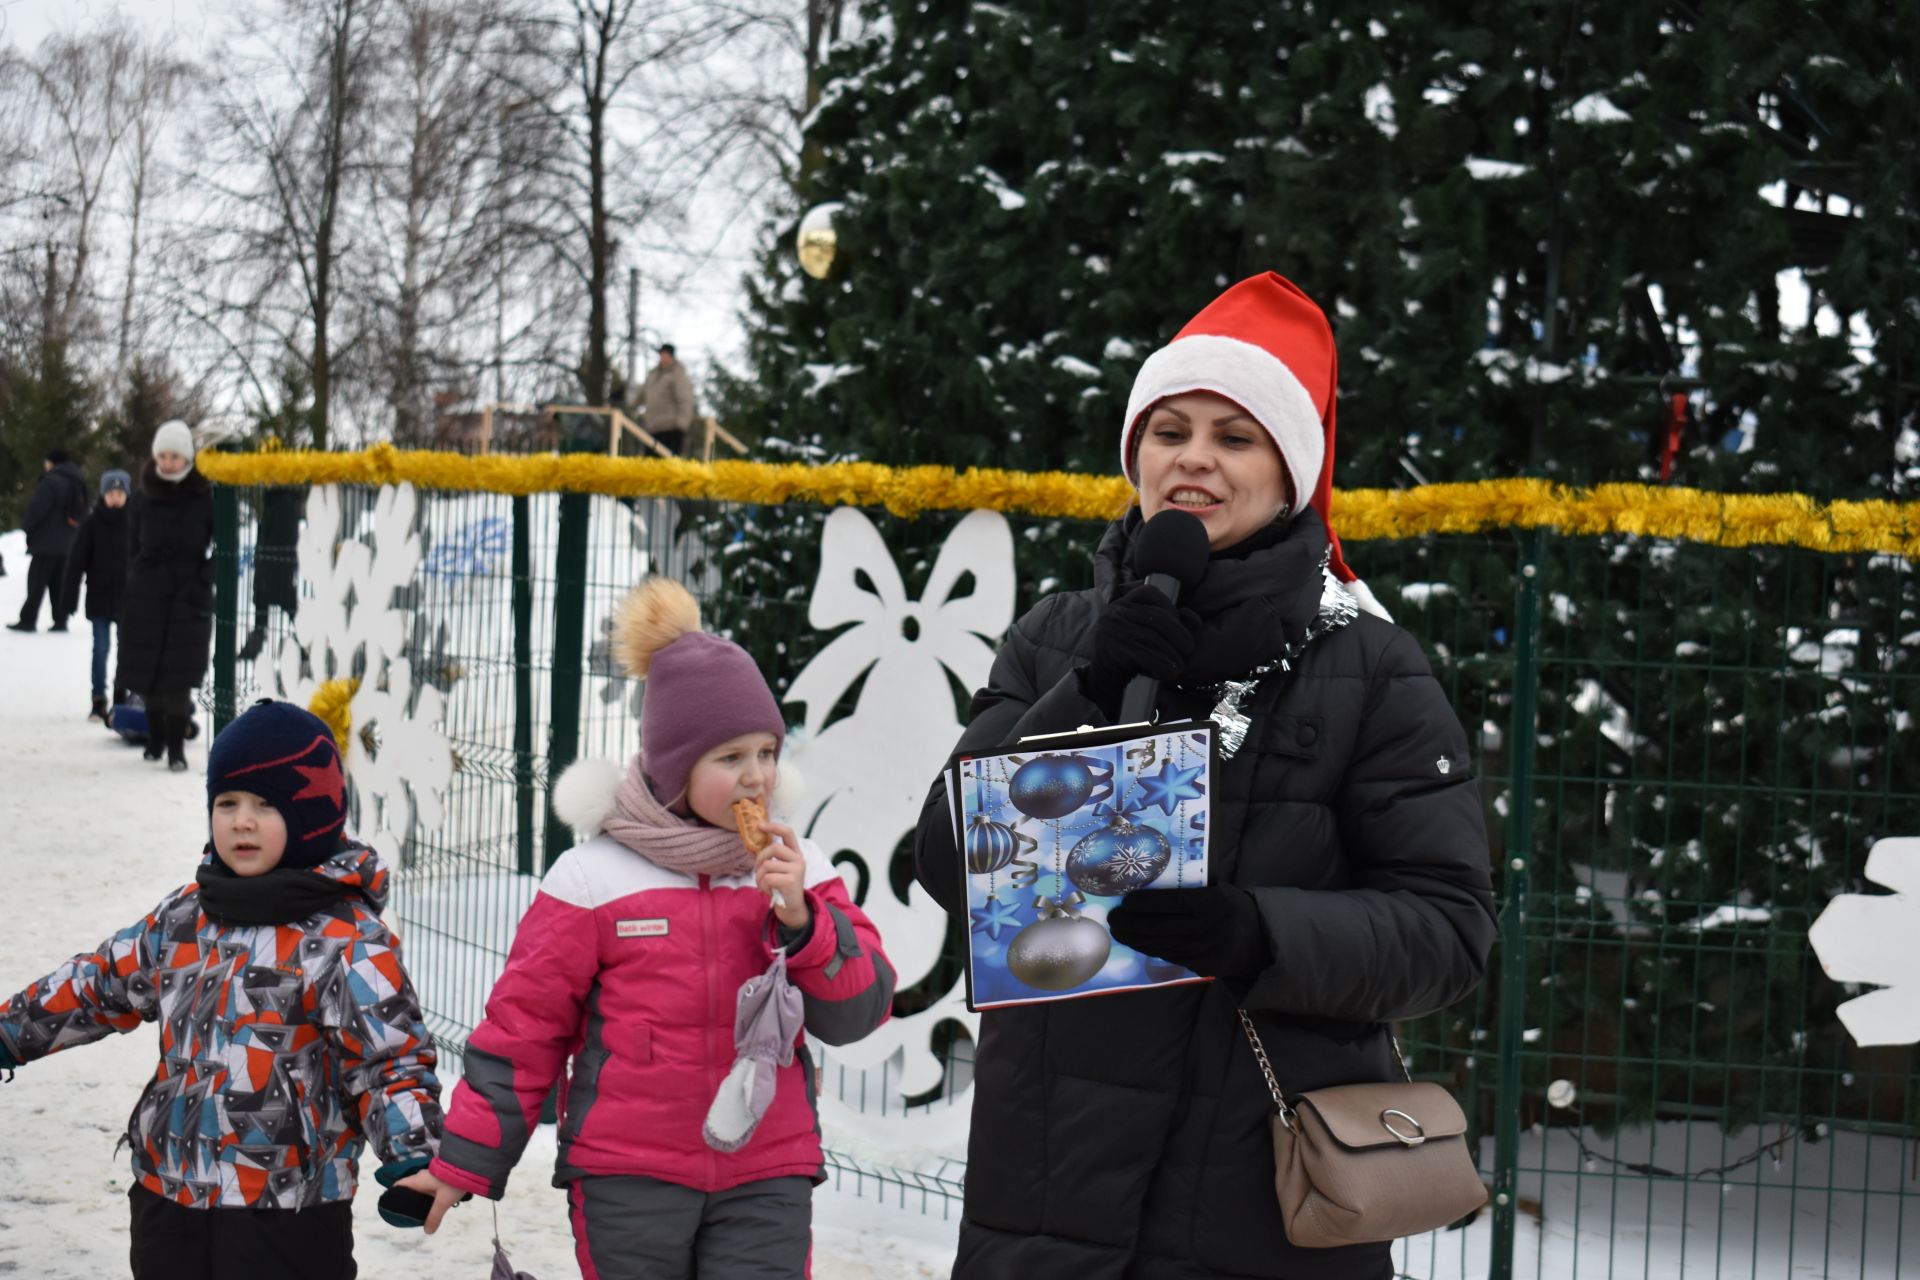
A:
1250,376
173,437
1363,596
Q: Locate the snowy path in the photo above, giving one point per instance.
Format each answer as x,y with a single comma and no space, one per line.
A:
93,837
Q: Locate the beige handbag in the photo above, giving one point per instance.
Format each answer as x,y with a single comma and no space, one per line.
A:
1368,1162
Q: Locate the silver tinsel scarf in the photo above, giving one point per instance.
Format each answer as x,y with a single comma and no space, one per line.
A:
1337,609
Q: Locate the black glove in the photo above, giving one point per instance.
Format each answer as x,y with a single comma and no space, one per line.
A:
1214,931
1140,633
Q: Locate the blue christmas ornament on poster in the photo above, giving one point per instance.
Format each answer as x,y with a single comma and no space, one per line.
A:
992,845
1051,835
1055,786
1117,859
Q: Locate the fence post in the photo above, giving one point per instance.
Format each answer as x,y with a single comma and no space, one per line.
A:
523,689
569,639
1513,907
226,605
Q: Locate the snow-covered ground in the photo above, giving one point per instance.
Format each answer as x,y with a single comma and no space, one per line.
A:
91,836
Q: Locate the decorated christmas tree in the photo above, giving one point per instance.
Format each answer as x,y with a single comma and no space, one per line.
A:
1663,245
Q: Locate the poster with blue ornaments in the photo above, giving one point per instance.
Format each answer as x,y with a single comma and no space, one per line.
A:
1053,836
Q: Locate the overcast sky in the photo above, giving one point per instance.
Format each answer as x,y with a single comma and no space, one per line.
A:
700,316
26,22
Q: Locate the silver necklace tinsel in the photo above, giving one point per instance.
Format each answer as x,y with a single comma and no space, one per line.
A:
1337,609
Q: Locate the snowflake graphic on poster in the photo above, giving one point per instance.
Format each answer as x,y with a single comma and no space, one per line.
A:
995,917
1170,786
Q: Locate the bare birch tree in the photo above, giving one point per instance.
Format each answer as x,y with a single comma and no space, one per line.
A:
158,77
77,116
438,196
626,153
295,132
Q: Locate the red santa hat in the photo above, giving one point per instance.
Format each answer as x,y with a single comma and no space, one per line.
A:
1266,346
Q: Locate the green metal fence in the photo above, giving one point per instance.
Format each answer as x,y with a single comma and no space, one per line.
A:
1685,752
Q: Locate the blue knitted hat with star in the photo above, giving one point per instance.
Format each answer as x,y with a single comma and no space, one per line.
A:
286,755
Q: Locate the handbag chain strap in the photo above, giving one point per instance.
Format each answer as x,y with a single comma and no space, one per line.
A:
1273,1081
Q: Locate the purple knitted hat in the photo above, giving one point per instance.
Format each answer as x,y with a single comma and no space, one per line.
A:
701,690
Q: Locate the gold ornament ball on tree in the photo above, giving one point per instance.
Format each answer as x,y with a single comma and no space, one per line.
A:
817,242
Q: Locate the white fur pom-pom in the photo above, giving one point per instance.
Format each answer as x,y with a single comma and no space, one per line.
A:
789,789
583,797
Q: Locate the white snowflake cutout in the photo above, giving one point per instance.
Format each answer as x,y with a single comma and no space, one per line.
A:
1868,938
397,761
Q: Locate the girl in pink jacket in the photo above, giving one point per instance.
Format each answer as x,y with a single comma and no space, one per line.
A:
653,966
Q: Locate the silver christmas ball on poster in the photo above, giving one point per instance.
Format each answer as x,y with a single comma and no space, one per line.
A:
1059,952
817,242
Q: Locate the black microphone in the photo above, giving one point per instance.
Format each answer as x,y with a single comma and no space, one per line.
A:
1171,553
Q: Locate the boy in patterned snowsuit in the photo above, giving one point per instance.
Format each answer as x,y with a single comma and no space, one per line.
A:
290,1035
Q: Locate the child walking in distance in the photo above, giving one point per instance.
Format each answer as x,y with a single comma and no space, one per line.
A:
290,1036
99,556
670,969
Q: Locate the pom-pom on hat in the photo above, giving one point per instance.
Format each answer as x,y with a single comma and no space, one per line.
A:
1266,346
286,755
701,690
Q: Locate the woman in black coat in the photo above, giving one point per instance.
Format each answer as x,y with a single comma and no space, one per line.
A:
1127,1136
166,631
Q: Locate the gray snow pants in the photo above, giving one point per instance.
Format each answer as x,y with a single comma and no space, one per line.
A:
645,1229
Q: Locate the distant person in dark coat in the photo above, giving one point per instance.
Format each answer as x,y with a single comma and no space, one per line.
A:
53,516
276,577
166,631
99,556
669,394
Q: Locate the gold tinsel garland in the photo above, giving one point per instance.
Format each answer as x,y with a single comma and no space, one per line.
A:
333,703
1727,520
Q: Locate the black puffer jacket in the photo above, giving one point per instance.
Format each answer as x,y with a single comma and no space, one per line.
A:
1127,1136
54,511
99,555
166,630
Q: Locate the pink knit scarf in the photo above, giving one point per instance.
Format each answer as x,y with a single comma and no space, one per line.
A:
665,839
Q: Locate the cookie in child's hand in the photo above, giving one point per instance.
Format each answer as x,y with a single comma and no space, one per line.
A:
750,816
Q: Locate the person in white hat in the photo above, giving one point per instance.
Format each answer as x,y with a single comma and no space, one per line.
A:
1349,881
166,632
173,451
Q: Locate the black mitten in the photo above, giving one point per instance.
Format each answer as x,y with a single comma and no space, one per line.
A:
1140,633
1214,931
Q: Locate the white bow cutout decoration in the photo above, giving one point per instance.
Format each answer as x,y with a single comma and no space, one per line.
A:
868,774
904,637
